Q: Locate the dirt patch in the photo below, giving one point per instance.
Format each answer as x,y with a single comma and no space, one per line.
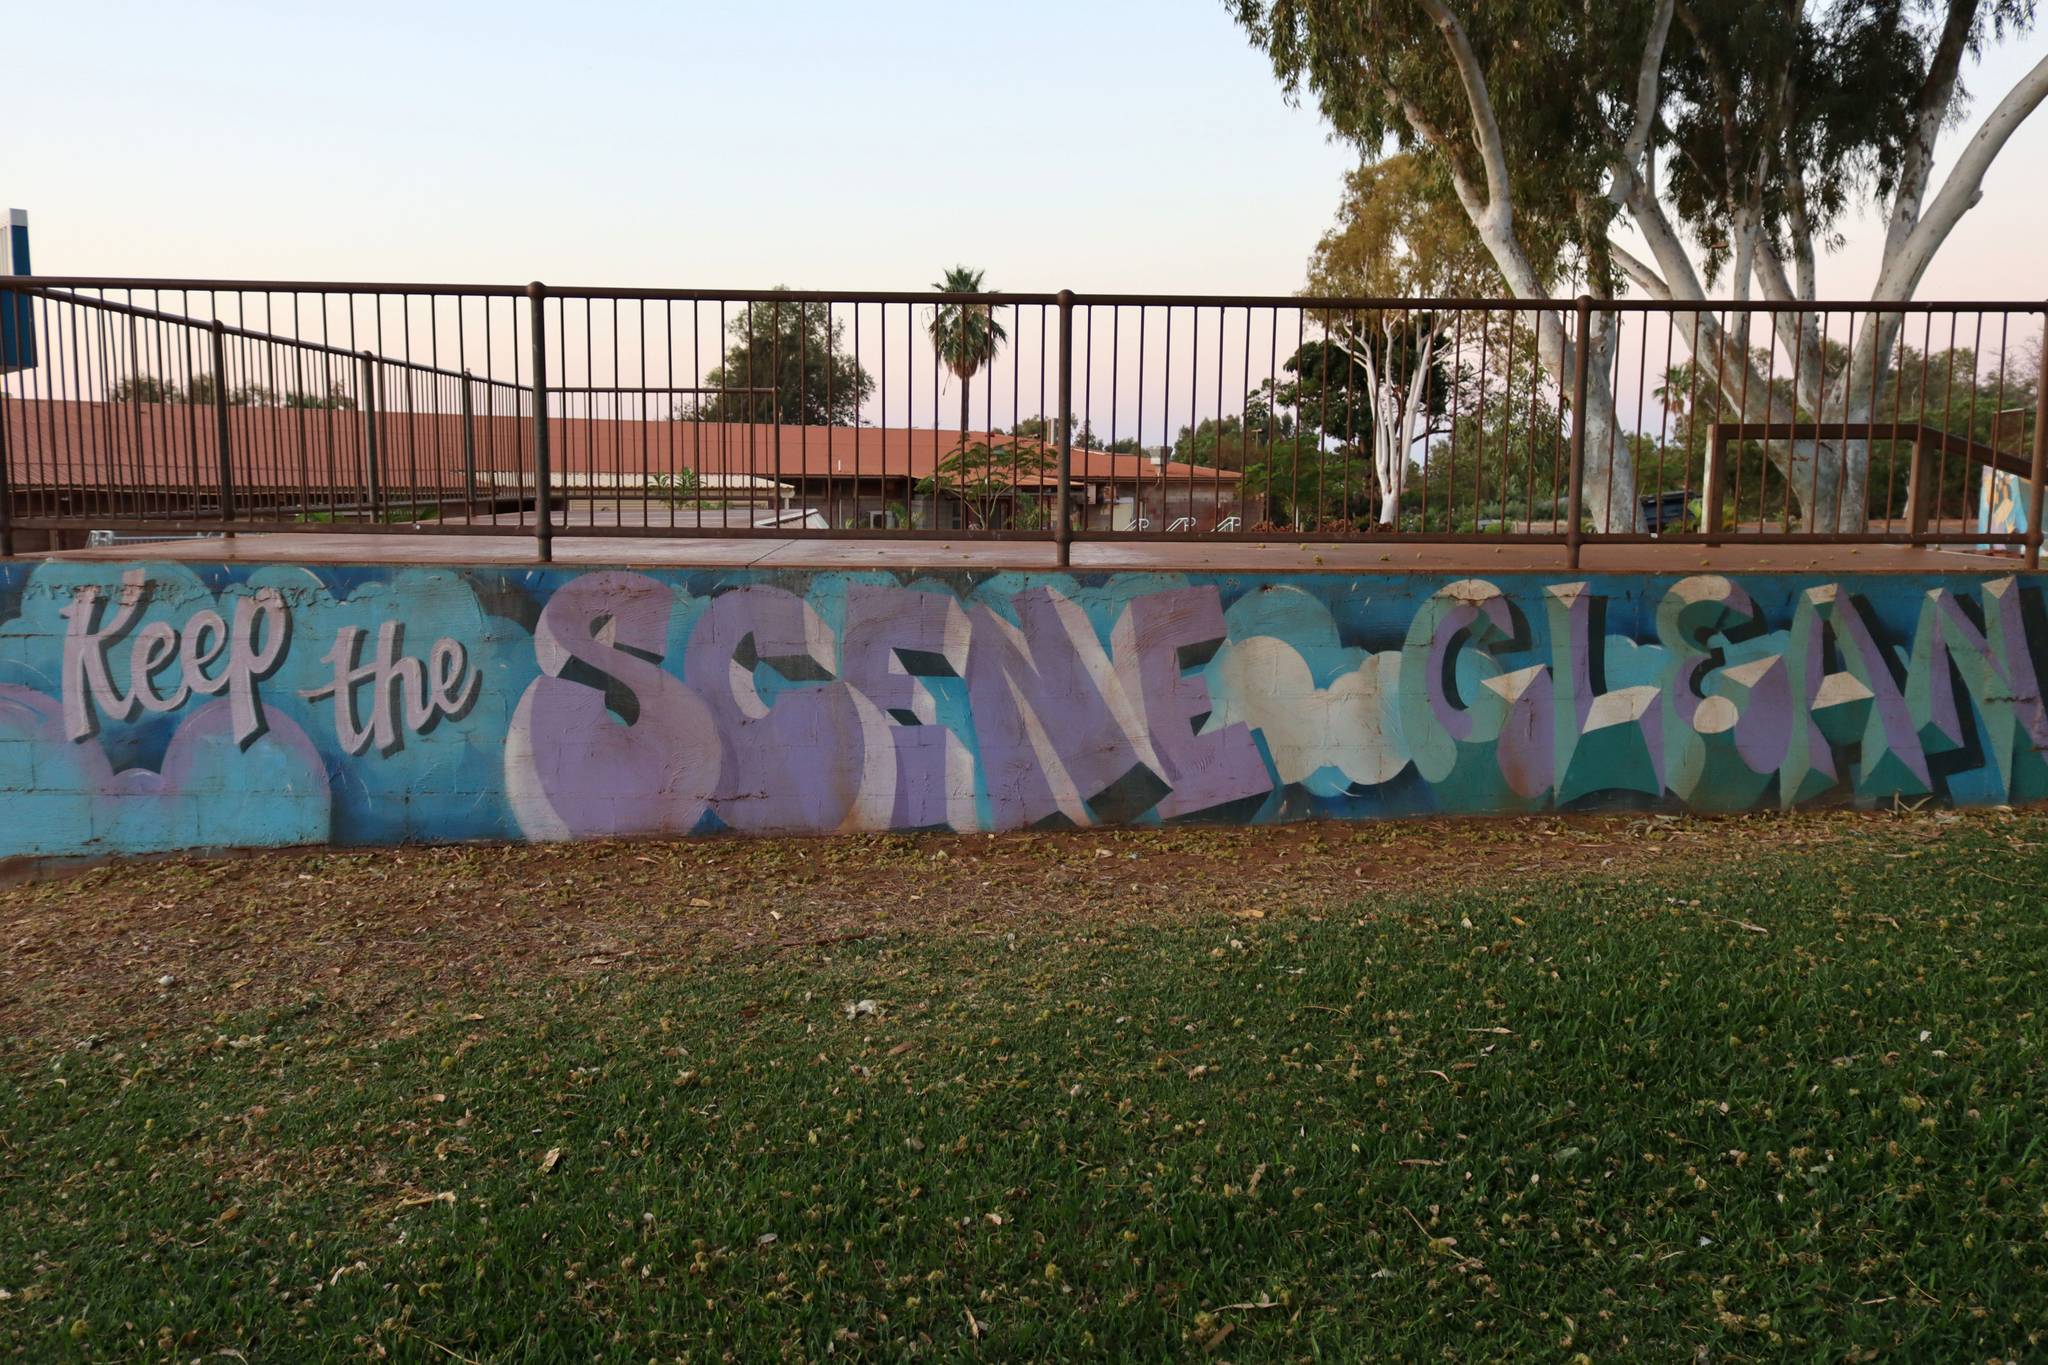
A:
145,947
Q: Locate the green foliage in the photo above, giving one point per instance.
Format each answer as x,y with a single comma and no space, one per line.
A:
1783,1102
1301,486
145,388
1401,234
1797,114
967,335
791,348
679,489
987,476
1085,435
1952,390
336,399
149,389
1742,134
1330,389
1565,73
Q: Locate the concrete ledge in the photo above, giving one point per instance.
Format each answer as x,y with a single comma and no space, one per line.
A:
1367,554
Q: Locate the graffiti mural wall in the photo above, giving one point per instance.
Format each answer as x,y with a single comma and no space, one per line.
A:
149,707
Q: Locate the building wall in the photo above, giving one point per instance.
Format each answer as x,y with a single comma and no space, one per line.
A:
163,706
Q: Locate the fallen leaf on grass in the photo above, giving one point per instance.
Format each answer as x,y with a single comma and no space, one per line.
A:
415,1201
551,1160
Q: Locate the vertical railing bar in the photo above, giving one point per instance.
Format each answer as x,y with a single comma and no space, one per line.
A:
1576,490
2035,488
373,482
1063,530
468,450
220,421
543,485
6,458
1998,401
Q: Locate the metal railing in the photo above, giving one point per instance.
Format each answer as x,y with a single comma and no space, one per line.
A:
166,406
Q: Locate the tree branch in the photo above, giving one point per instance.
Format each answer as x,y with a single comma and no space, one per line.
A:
1649,85
1930,111
1485,126
1680,278
1963,188
1425,128
1642,272
1806,338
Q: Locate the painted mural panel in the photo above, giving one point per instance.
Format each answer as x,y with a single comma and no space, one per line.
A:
147,707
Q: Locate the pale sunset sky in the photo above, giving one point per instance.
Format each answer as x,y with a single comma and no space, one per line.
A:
1133,145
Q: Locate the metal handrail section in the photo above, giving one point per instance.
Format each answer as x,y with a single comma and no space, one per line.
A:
599,410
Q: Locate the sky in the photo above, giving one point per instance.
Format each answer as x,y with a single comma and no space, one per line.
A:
1133,146
1130,145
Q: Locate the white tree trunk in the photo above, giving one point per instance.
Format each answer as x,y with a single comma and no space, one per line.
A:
1396,411
1609,476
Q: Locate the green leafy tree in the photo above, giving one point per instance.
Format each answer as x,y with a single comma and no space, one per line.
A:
1986,398
1299,485
1732,141
145,388
1085,435
1400,234
985,476
798,351
336,399
966,335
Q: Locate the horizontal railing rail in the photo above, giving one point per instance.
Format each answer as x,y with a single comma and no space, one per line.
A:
165,406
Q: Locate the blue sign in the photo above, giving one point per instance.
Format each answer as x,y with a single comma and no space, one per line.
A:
17,324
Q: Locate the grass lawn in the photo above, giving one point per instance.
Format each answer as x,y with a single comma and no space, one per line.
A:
1786,1100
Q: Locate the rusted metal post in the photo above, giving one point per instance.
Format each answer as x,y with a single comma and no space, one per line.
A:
2037,482
1917,505
1573,536
6,485
1714,484
1063,527
468,447
372,475
221,435
544,531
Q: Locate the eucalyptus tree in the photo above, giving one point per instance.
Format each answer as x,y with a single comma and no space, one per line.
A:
1395,238
1732,137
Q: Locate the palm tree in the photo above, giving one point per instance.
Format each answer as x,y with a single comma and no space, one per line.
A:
966,335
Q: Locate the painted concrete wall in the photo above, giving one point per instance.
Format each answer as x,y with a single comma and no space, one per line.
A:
162,706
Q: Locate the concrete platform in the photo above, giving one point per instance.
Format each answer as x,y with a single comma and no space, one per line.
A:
1379,556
